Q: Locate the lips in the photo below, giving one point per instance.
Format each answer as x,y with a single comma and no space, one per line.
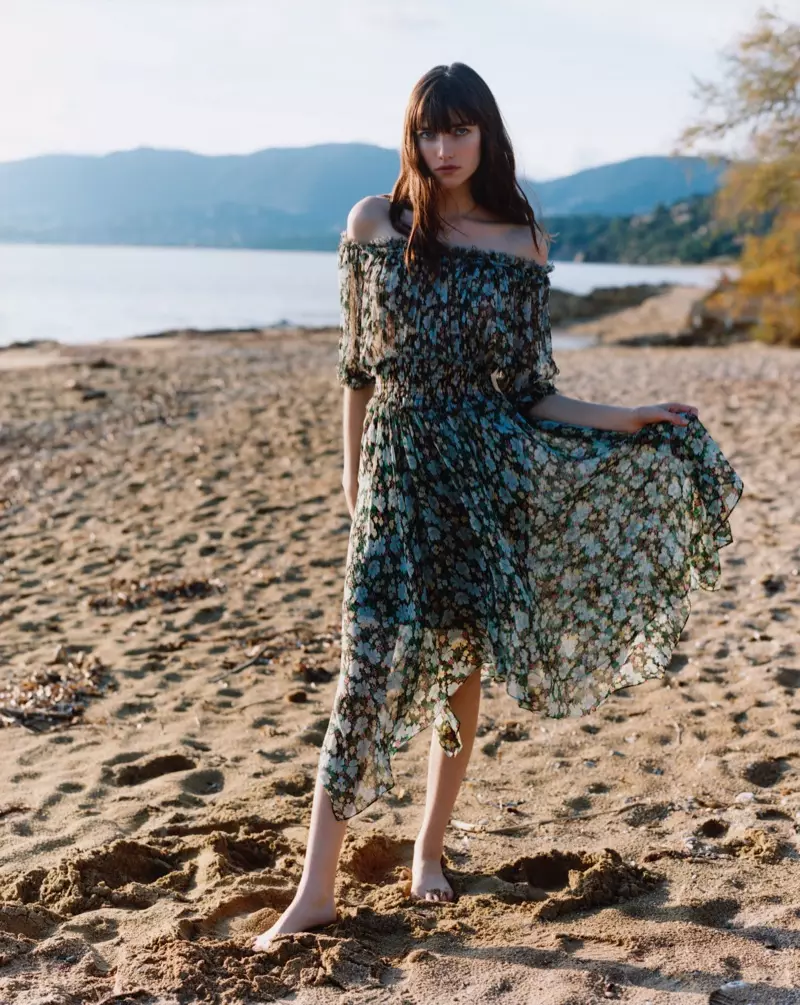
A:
448,169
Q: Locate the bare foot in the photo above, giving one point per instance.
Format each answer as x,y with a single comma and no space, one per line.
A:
428,882
299,916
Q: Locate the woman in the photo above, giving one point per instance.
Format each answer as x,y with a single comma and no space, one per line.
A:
498,526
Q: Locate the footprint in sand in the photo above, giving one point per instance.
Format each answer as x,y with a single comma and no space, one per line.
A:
68,788
277,756
597,788
135,774
206,965
126,874
765,773
25,776
182,541
297,784
642,816
207,615
21,926
788,678
204,783
131,708
563,882
712,828
124,757
244,914
190,741
377,859
314,733
93,929
714,913
577,804
223,854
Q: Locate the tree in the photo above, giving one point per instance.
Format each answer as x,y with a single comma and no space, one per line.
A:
760,96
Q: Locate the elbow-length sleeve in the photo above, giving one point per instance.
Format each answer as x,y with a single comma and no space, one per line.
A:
524,366
351,369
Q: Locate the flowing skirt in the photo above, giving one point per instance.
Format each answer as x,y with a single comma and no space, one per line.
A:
555,558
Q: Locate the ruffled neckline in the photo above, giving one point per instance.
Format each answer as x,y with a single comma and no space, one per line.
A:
468,252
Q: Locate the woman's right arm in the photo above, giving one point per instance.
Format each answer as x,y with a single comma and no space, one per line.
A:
363,221
354,412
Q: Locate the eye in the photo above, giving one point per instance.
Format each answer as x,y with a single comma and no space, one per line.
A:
458,130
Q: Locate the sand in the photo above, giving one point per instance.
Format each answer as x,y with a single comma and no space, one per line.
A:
665,314
179,544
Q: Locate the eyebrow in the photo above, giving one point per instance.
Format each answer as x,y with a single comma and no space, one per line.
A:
455,125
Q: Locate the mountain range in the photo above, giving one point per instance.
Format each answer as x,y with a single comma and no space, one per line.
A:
286,198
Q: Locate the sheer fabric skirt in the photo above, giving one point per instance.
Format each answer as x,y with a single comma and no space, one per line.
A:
557,559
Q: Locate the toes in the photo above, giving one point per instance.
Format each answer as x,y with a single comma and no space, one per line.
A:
438,895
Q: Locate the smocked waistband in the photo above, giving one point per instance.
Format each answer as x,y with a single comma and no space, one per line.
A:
433,394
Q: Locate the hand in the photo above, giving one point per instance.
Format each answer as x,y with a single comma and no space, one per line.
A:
669,411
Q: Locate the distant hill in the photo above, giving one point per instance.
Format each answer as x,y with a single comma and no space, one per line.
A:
277,198
685,231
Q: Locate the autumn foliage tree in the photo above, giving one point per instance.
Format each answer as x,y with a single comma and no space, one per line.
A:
758,105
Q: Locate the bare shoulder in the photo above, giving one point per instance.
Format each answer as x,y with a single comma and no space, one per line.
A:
524,246
368,218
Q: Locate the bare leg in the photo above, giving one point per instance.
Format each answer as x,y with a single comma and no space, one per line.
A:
445,775
313,903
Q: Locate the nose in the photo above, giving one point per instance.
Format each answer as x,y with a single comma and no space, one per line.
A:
444,146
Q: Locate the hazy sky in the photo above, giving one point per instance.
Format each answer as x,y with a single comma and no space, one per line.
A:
579,82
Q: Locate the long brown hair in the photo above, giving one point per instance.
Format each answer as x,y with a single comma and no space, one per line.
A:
444,97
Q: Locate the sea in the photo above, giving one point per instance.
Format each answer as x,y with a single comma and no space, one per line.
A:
85,293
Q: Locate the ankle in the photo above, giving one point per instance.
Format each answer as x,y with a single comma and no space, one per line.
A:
313,895
427,849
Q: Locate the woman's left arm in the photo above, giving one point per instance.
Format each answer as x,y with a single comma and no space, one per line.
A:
575,412
524,369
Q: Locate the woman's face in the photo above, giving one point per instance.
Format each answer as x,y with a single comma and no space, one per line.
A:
459,147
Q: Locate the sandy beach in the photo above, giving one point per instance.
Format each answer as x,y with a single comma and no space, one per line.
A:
173,534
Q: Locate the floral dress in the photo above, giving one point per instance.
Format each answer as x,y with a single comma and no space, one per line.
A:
551,557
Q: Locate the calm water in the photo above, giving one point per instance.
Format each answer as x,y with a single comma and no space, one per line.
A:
75,293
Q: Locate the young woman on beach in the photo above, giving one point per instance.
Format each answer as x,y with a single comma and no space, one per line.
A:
499,528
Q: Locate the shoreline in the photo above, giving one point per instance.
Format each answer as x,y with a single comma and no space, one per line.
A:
662,315
721,262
